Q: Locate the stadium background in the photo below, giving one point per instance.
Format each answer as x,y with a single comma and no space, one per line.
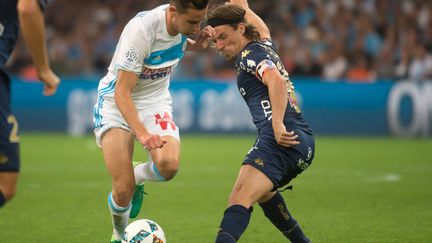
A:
363,74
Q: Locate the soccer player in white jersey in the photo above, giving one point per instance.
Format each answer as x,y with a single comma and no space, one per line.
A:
134,102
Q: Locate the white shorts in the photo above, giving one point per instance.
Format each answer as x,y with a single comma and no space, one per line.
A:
157,120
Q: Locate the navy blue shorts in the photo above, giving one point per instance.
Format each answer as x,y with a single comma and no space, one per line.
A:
9,145
278,163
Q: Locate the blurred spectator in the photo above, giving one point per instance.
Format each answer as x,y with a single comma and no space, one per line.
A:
360,70
421,65
335,63
314,37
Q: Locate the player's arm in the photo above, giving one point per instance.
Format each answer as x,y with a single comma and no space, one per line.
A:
253,19
125,84
32,26
277,88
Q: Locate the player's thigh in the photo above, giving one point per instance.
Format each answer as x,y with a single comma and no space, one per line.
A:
8,182
117,146
250,186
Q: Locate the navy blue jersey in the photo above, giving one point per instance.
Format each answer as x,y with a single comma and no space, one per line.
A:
256,58
9,27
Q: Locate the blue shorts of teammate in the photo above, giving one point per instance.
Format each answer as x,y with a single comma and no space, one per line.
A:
278,163
9,146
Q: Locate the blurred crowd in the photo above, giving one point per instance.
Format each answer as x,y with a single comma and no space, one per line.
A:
355,40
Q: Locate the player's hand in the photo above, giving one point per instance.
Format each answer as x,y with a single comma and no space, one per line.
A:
50,80
151,141
203,38
283,137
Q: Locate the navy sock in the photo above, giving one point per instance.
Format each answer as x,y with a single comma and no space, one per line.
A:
2,199
234,223
276,210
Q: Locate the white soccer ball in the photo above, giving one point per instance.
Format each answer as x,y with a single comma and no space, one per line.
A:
143,231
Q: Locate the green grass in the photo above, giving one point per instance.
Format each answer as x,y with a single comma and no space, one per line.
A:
357,190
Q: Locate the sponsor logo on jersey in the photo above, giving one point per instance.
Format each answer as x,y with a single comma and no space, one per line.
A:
153,74
245,53
164,121
302,164
259,162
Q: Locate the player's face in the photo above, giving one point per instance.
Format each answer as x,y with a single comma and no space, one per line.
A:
188,23
228,41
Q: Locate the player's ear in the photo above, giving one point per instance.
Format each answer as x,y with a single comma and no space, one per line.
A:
242,28
172,9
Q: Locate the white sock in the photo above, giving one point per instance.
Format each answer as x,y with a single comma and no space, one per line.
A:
147,172
120,216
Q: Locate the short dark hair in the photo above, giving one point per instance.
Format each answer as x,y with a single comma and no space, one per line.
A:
183,5
232,15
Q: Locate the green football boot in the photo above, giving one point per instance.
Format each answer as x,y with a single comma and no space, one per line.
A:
137,198
113,240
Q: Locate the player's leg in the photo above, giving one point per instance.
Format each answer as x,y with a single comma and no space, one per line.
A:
251,185
8,182
275,209
162,166
9,144
117,145
164,162
167,158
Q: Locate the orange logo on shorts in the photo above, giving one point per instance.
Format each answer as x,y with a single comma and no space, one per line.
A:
164,121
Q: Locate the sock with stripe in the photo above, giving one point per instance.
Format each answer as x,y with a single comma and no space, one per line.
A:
120,216
147,172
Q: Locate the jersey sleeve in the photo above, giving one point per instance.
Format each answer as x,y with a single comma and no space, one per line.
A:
256,60
133,47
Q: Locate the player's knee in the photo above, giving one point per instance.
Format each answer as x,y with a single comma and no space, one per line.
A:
168,167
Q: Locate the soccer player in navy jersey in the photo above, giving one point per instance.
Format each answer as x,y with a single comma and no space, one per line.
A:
26,15
285,145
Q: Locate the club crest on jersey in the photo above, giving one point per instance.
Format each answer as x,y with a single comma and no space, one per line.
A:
164,121
148,73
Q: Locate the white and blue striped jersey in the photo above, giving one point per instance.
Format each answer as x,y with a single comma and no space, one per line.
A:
146,49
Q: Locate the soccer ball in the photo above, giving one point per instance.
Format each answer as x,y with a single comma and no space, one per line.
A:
143,231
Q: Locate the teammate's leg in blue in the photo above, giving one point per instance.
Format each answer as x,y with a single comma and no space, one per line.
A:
277,212
234,223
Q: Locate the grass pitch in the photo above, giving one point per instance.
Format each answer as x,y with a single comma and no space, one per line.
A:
357,190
